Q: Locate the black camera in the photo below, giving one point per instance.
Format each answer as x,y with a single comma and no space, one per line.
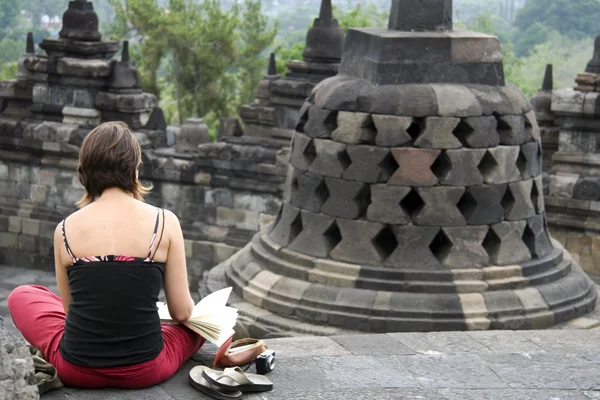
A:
265,362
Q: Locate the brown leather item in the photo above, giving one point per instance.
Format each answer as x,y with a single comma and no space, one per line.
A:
240,352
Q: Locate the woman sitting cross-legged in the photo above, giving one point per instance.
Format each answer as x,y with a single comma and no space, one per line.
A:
112,256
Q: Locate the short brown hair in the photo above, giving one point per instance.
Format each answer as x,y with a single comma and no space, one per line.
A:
109,157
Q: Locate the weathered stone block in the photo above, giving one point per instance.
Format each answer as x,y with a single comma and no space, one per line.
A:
303,152
331,158
517,201
354,128
321,123
441,207
414,100
478,132
386,205
437,133
513,130
319,235
456,101
536,237
587,188
392,130
504,243
414,167
347,199
499,165
482,205
459,167
308,191
412,250
530,160
366,163
359,239
462,247
287,226
537,195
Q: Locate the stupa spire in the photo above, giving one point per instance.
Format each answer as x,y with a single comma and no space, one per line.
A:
548,84
422,15
30,46
272,65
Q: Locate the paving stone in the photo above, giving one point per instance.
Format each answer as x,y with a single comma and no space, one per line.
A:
529,161
372,344
432,343
536,237
303,152
308,191
366,163
366,371
464,249
306,347
517,201
363,394
505,342
504,243
318,236
320,122
354,128
347,199
513,131
459,167
331,158
451,371
587,188
296,374
556,373
386,205
414,167
288,226
478,132
440,207
482,205
502,394
499,165
437,134
357,242
413,249
392,130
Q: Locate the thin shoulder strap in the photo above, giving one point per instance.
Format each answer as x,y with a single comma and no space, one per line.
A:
64,235
162,230
153,235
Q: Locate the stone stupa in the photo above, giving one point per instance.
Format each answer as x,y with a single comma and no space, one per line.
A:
414,197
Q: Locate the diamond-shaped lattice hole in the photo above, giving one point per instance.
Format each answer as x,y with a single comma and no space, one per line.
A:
535,196
491,244
462,132
385,243
332,236
440,246
302,121
344,159
508,201
487,165
529,240
294,186
322,192
442,166
503,126
412,204
296,227
331,121
310,153
415,129
522,162
467,205
388,167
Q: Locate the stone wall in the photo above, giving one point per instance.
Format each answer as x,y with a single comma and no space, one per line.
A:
222,192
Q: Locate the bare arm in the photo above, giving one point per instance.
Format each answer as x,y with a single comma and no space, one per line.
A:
64,291
177,289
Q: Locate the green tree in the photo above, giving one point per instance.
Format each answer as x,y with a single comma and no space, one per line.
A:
255,37
9,11
38,8
573,18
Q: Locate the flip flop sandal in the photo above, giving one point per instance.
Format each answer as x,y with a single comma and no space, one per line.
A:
236,379
198,382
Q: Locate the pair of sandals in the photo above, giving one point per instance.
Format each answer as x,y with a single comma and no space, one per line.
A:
232,381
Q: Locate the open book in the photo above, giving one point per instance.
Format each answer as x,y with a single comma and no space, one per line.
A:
211,318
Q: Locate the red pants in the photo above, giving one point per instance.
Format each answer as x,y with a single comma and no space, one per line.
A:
39,315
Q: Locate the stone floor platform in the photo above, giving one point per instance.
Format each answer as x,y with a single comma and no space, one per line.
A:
561,364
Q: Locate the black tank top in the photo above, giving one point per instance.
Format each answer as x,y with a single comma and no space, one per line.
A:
113,319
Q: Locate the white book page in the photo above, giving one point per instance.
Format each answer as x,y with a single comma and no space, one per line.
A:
208,305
